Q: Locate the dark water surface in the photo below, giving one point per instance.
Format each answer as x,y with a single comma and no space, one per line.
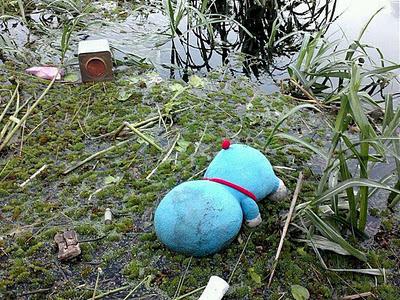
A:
231,50
144,32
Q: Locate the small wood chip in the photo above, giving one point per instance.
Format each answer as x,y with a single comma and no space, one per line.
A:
68,245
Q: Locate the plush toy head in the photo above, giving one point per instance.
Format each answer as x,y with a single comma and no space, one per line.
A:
246,167
201,217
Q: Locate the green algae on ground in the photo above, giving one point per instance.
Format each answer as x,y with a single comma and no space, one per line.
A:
73,118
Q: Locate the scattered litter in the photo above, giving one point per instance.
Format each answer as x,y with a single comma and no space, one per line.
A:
95,60
107,216
68,245
46,72
215,289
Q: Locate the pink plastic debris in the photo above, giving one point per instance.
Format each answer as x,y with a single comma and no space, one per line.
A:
46,72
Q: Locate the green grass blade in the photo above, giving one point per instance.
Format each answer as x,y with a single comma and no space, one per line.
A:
382,70
272,36
303,143
355,182
346,175
389,112
287,115
330,232
302,52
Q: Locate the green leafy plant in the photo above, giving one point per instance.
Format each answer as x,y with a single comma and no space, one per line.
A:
323,70
340,206
182,14
68,29
299,292
69,8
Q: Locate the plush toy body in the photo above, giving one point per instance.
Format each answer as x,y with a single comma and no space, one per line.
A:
203,216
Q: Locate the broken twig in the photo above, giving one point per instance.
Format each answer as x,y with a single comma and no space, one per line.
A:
182,279
21,121
240,257
94,156
9,102
165,157
285,228
33,176
136,287
99,271
143,136
34,292
191,293
122,288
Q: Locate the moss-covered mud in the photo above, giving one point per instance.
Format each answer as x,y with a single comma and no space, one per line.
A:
67,127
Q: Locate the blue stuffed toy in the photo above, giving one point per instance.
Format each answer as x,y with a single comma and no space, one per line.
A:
201,217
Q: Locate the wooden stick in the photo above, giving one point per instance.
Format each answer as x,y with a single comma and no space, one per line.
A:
26,115
12,119
33,176
5,166
94,156
97,283
22,139
190,293
122,288
151,120
182,279
136,287
165,157
116,132
197,174
240,257
201,140
143,136
305,92
9,102
285,228
35,292
36,127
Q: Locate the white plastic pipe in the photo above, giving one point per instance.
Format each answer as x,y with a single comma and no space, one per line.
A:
215,289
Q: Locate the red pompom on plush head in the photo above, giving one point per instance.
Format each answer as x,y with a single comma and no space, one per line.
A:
225,144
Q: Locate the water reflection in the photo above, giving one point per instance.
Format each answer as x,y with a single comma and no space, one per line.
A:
395,6
272,25
275,30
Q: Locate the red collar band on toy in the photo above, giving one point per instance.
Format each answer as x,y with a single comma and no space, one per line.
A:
234,186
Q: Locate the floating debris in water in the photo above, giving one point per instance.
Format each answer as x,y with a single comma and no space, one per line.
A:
95,60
